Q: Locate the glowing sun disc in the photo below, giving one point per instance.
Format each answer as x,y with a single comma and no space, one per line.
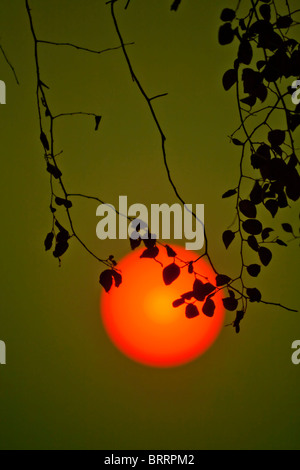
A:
141,321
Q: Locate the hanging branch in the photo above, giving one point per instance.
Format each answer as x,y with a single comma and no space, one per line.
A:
273,160
238,298
9,64
277,182
60,235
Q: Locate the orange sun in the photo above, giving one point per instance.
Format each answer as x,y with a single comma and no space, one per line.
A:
139,316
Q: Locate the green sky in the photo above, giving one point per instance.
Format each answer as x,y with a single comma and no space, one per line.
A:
65,386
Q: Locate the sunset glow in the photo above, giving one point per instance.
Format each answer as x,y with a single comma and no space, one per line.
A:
141,321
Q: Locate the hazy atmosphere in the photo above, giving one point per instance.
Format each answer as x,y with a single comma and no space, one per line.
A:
65,385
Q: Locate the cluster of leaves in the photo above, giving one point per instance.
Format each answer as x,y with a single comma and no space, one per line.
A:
276,180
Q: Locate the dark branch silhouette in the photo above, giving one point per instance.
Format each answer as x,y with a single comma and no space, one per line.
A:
275,178
9,64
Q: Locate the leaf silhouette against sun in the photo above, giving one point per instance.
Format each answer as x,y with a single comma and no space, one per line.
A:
222,280
191,311
178,302
170,252
135,243
209,308
201,290
117,278
150,252
171,273
106,279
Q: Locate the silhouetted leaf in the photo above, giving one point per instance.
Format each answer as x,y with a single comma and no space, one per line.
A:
295,63
266,233
228,237
170,252
293,121
260,64
44,141
54,171
178,302
237,142
254,270
60,248
251,80
150,252
198,290
226,34
106,279
63,202
280,242
229,79
287,228
229,193
171,273
230,303
276,137
188,295
261,92
265,12
272,206
284,22
239,317
222,280
248,209
293,185
250,101
209,308
254,295
191,311
49,241
149,242
265,255
191,267
175,5
97,121
256,195
135,243
252,226
245,53
208,288
252,242
117,278
228,14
